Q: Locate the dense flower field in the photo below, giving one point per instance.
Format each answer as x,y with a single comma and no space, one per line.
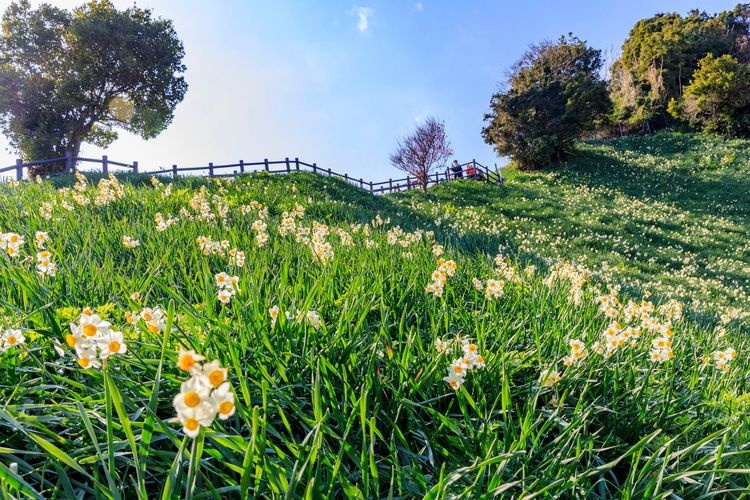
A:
667,213
295,336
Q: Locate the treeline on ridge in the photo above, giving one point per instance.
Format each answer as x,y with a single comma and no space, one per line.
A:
690,71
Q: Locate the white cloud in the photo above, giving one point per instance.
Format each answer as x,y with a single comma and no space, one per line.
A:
420,7
363,14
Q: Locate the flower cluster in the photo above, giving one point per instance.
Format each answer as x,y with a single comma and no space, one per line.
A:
45,266
94,340
228,287
109,190
444,269
321,249
661,350
11,243
548,377
494,289
576,276
130,242
469,359
163,224
11,338
41,238
722,359
204,396
155,318
260,227
311,316
577,352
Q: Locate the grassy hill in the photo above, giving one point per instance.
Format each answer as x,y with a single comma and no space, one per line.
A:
669,213
361,363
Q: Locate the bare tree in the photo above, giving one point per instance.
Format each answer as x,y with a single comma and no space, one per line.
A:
424,151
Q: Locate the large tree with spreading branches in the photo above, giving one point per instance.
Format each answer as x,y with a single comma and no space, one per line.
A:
69,77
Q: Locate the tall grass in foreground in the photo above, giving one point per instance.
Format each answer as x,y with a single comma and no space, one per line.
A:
356,406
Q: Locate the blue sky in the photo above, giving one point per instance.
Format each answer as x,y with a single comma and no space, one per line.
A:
338,82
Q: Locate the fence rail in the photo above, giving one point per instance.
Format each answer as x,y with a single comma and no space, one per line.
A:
473,169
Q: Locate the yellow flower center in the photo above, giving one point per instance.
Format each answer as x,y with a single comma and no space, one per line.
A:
84,362
11,340
186,362
191,424
89,330
152,328
226,407
458,369
70,339
216,378
114,346
191,399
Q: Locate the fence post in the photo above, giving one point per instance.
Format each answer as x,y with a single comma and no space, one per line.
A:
371,186
242,167
437,177
105,165
135,167
210,169
390,185
361,183
315,168
19,169
408,183
296,163
68,161
329,172
174,170
265,161
346,177
287,166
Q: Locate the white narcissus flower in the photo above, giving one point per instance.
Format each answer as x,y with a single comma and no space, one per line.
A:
11,337
192,393
454,380
215,374
314,319
193,418
114,343
188,360
223,401
225,296
274,313
90,327
87,358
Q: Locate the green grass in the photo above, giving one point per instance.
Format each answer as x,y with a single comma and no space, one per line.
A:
359,407
669,213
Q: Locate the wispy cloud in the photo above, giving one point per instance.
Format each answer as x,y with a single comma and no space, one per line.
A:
420,7
363,15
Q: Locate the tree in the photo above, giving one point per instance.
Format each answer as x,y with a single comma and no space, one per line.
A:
73,77
718,97
553,94
662,52
424,151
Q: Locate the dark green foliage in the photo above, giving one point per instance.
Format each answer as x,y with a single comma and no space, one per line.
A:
72,77
554,95
718,98
661,53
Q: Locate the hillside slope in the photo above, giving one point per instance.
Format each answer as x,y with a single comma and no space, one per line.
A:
669,213
371,349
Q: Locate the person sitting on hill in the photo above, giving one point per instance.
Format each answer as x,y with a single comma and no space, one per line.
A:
471,172
457,170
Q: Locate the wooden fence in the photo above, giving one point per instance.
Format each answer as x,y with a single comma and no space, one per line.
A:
284,166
